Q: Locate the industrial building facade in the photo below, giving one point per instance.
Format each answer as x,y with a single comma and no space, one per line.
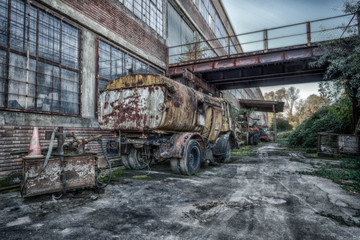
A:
55,56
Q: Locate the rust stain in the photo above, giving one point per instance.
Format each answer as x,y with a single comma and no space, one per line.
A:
79,170
246,61
275,57
160,104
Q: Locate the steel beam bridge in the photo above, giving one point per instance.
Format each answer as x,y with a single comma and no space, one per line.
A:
271,58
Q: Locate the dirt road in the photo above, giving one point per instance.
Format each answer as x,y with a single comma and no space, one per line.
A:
254,197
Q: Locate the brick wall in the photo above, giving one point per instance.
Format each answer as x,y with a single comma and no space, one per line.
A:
113,18
17,139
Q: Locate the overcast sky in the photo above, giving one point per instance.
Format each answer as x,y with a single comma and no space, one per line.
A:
252,15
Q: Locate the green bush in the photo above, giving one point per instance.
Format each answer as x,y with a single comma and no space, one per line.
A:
284,135
281,125
335,118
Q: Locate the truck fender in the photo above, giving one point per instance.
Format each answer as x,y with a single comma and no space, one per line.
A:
180,141
221,141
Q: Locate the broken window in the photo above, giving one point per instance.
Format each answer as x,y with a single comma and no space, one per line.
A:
114,63
47,81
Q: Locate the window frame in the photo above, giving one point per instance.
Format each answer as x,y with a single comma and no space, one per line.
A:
9,50
146,8
126,53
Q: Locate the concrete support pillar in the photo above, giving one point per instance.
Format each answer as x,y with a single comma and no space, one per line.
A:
274,124
88,96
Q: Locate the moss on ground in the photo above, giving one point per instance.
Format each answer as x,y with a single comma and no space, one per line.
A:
141,176
244,151
116,173
347,173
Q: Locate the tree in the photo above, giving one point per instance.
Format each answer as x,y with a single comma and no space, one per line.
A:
193,50
342,60
289,96
306,108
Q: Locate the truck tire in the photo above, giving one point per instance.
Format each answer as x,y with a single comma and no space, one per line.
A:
175,165
251,139
190,163
134,160
125,162
227,156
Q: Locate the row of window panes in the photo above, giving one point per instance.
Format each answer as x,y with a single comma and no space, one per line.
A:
150,11
53,79
51,87
208,12
114,63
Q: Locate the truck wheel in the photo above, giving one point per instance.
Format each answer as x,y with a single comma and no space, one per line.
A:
251,139
256,140
125,162
190,164
175,165
135,160
225,158
227,155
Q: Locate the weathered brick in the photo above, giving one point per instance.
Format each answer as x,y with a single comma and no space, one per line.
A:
11,163
117,21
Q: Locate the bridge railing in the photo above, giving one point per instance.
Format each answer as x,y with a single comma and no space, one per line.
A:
304,33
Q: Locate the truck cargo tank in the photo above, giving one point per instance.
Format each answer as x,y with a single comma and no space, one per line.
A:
140,103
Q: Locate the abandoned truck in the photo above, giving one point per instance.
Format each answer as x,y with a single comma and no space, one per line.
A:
159,119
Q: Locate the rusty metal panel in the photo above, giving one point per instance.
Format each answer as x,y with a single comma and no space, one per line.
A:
203,67
132,108
134,81
303,53
178,70
246,61
224,64
79,170
181,107
152,103
273,57
216,124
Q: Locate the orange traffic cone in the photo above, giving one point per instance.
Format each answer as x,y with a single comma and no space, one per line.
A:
35,149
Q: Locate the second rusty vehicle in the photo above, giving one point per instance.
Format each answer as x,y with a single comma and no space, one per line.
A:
159,119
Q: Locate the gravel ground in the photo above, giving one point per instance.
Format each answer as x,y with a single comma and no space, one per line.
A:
254,197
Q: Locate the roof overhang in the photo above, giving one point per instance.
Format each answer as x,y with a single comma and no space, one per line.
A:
262,106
